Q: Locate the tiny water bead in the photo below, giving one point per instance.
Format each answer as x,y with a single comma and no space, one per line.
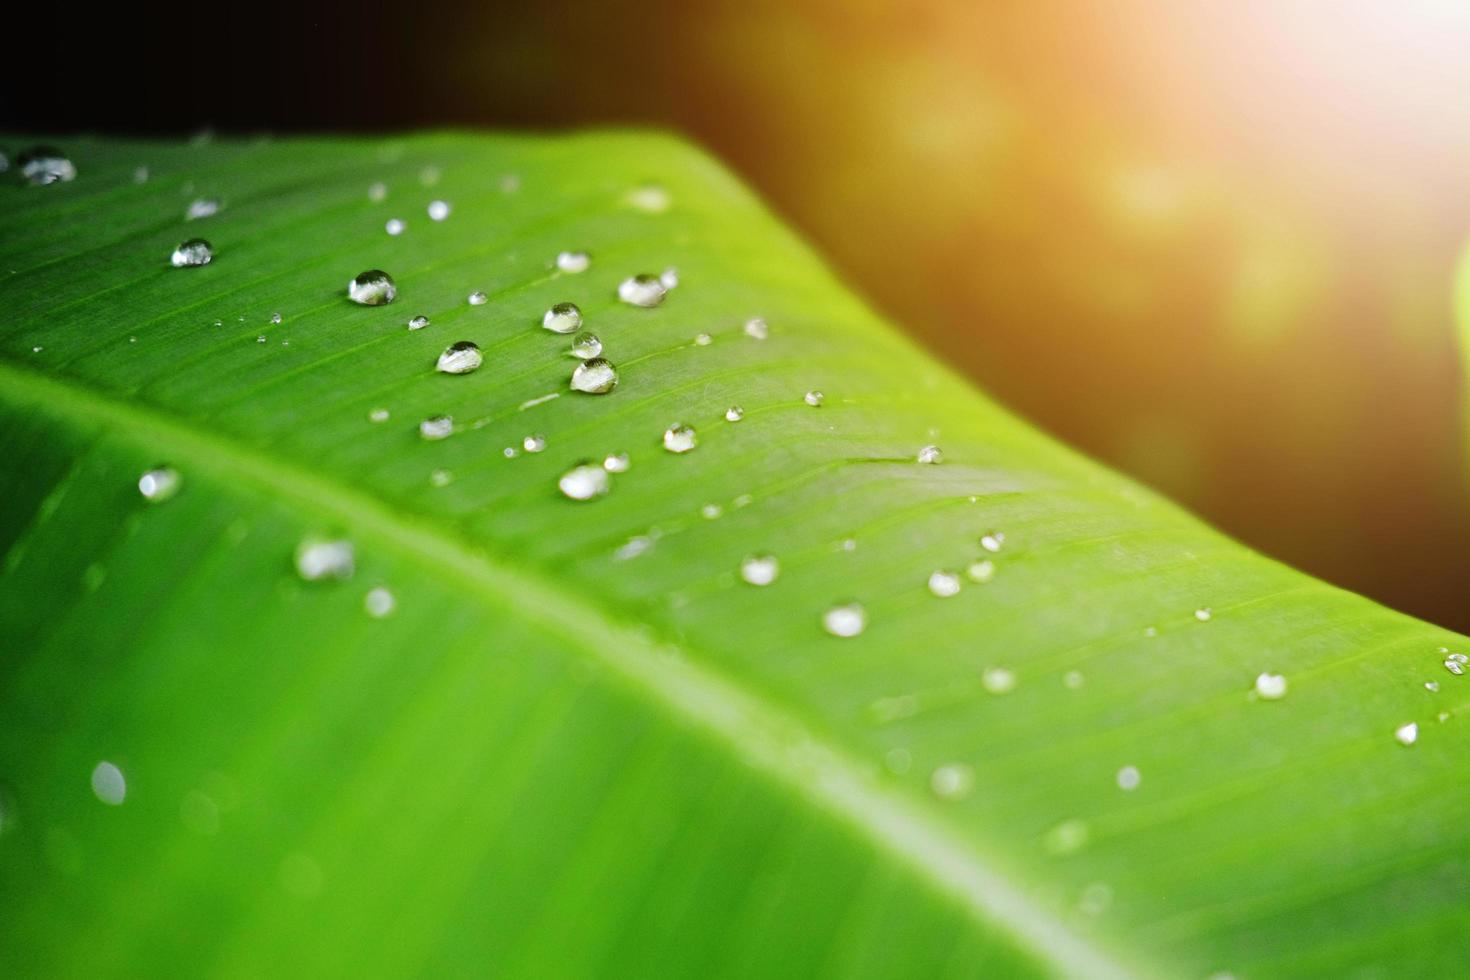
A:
1067,837
372,288
595,376
642,290
562,318
616,462
981,571
394,227
1406,735
952,781
930,455
703,340
586,345
1128,778
203,207
756,328
759,569
378,415
159,484
534,443
109,784
460,357
418,322
1073,680
711,512
477,298
378,192
585,481
379,602
1432,687
680,438
669,278
734,413
42,165
140,175
318,559
993,541
814,398
944,584
275,318
998,680
441,478
438,210
436,427
1456,663
650,198
573,261
191,254
845,620
1270,687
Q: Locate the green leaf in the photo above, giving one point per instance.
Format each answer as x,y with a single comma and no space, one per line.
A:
557,757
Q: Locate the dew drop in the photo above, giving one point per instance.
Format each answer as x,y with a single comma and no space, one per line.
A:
1203,614
1432,687
845,620
1067,837
585,481
109,785
418,322
394,227
1271,687
43,165
616,462
998,680
436,427
930,455
993,541
586,345
760,569
438,210
203,207
981,571
275,318
711,512
159,484
562,318
669,278
734,413
429,176
595,376
703,340
573,261
813,398
1407,735
379,602
460,357
1455,663
952,781
642,290
378,415
680,438
756,327
440,478
260,339
633,547
650,198
534,443
378,192
324,558
1073,680
140,175
478,298
372,288
944,584
192,253
1128,778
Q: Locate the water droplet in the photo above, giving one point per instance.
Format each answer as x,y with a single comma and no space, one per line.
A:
1455,663
952,781
734,413
534,443
944,584
756,327
930,454
814,398
1067,837
438,210
460,357
418,322
1407,734
324,558
584,481
275,318
616,462
845,620
703,339
372,288
379,602
562,318
437,427
378,415
760,569
635,546
642,290
159,484
680,438
429,176
998,680
510,452
993,541
140,175
981,571
440,478
1432,687
43,165
1203,614
1128,778
650,198
595,376
478,298
1073,679
108,783
194,252
711,512
260,339
586,345
378,192
669,278
203,207
394,227
573,261
1270,687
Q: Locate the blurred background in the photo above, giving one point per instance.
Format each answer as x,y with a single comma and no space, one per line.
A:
1212,244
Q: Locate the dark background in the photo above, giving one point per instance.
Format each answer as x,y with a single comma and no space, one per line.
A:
1213,245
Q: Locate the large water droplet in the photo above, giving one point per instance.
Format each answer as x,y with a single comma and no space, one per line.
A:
1270,687
418,323
43,165
437,427
438,210
756,328
680,438
586,345
595,376
562,318
379,602
584,481
372,288
477,298
760,569
195,252
952,781
203,207
814,398
324,558
998,680
930,455
944,584
159,484
1407,735
109,784
573,261
616,462
642,290
845,620
460,357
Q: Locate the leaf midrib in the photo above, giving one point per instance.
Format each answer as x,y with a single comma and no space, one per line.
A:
754,731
